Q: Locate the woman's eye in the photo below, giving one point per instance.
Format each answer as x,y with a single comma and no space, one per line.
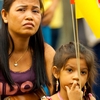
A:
36,11
21,9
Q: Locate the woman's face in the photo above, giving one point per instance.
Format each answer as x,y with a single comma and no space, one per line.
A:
23,18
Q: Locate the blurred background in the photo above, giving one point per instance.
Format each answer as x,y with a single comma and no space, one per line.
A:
63,33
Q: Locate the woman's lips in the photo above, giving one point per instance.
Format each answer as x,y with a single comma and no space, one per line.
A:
30,25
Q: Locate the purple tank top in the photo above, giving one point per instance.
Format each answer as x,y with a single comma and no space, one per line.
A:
23,83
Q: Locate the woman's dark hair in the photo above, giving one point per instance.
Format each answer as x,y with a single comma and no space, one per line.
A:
68,51
36,43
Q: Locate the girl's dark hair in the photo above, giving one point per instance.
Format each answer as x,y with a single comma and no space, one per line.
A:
36,43
67,51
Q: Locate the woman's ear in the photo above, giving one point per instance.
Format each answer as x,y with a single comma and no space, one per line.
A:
4,15
55,72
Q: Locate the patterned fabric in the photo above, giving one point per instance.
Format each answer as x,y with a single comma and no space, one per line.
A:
23,83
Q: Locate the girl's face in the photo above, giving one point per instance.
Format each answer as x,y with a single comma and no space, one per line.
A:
69,73
24,17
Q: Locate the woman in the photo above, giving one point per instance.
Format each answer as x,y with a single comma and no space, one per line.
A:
25,60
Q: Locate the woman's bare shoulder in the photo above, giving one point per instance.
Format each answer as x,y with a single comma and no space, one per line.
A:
49,55
49,51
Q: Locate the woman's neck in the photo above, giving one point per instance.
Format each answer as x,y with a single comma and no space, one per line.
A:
19,46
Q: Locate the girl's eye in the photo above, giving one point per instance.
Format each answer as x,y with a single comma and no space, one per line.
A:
69,70
83,72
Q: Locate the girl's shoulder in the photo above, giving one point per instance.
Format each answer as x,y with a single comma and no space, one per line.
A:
53,97
46,98
49,98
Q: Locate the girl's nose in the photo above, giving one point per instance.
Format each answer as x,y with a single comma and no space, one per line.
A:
76,76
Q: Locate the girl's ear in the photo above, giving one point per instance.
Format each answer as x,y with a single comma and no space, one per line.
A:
55,72
4,15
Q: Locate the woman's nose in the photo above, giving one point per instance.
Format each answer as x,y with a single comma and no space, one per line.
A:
29,17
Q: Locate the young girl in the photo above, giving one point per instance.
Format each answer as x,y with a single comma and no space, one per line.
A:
68,79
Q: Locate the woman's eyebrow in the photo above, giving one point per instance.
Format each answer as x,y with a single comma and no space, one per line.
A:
22,5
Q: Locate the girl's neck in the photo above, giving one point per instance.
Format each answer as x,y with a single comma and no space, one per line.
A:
59,96
62,97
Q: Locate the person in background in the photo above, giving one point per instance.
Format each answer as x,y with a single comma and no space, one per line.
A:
25,59
56,25
69,81
52,21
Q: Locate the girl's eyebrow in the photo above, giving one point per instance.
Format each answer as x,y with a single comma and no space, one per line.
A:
84,68
68,65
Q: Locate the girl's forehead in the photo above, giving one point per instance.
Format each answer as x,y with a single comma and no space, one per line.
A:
74,62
